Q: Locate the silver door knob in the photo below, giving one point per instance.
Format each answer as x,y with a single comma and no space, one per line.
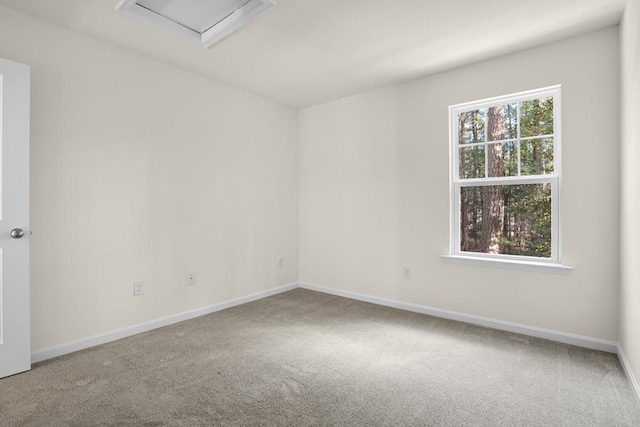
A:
17,233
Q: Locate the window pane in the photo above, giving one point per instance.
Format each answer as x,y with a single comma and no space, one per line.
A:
536,156
511,121
471,127
506,219
471,162
503,159
502,122
536,117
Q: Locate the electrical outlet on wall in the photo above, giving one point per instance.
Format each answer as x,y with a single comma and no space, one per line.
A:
280,262
406,273
191,278
138,287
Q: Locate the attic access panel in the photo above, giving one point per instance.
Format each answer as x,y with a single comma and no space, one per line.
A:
200,22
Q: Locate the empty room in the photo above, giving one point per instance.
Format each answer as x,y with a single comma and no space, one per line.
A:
336,213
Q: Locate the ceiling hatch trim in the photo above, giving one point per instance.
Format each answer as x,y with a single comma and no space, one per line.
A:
223,25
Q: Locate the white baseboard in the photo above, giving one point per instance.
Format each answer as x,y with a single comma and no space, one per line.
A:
627,370
60,350
548,334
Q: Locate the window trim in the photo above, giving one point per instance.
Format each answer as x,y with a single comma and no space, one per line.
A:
508,264
477,258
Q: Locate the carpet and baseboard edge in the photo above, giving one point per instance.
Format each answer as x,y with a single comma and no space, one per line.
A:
548,334
81,344
557,336
563,337
628,371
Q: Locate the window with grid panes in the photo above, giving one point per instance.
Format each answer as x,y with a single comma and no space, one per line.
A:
506,176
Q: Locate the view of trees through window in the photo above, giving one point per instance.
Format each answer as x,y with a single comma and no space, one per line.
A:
499,215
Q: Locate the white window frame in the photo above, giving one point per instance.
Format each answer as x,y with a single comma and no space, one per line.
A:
456,255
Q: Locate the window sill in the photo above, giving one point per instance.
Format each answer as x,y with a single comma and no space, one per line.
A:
544,267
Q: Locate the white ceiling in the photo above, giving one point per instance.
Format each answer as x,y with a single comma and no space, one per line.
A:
305,52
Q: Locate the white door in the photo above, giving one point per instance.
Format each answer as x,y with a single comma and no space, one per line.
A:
15,347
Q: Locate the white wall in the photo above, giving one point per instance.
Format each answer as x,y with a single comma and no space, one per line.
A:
142,171
374,191
630,172
349,191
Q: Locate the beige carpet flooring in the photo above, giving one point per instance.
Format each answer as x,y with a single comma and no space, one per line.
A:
304,358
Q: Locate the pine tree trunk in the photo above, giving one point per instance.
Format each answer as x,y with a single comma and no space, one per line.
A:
493,204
